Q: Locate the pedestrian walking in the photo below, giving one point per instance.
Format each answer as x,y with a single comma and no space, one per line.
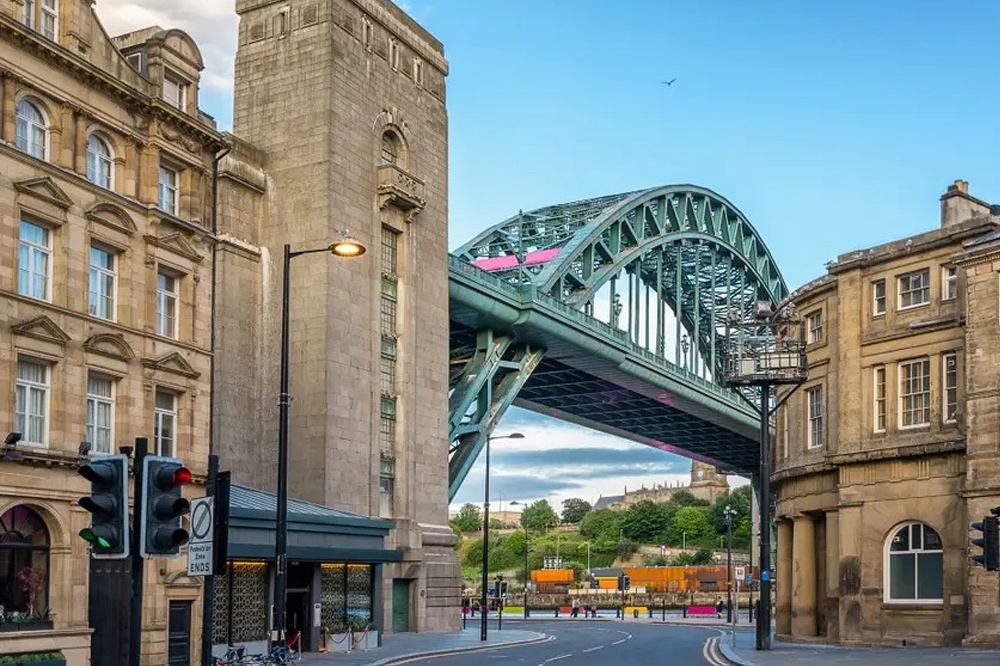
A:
576,608
718,608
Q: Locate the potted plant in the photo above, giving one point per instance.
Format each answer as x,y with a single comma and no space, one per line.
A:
6,659
51,659
31,580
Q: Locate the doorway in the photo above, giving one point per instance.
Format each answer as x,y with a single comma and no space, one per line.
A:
298,609
179,634
400,605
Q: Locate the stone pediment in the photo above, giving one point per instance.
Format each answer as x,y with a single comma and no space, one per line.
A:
172,362
112,345
44,188
111,216
176,242
41,328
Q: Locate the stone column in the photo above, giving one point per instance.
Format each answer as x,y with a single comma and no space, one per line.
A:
9,109
804,577
80,145
849,573
783,604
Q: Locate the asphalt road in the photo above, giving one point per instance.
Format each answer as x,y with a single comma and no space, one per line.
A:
598,644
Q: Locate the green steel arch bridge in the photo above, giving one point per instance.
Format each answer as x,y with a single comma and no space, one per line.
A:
609,313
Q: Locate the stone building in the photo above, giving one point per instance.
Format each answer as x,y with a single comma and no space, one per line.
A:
707,483
888,451
105,322
341,124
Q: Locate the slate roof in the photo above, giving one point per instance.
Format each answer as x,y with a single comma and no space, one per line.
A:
251,500
604,502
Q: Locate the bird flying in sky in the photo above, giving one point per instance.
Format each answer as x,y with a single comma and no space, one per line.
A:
670,82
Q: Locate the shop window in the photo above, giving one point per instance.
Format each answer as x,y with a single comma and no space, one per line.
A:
24,569
914,565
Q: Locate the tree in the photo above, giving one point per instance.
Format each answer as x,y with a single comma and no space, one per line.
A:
739,499
601,524
574,509
644,521
701,558
689,520
539,516
684,498
469,519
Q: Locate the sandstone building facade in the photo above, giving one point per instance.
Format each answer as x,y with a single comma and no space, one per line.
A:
888,452
105,324
707,483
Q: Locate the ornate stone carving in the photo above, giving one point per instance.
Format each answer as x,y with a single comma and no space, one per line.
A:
112,216
177,243
400,189
44,188
112,345
172,362
42,328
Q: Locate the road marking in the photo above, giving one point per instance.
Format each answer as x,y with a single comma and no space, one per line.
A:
562,656
621,641
599,647
710,651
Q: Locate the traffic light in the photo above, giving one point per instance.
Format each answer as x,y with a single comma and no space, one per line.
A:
162,506
108,506
593,581
503,589
623,582
990,541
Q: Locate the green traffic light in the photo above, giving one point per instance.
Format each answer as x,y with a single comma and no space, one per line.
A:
94,540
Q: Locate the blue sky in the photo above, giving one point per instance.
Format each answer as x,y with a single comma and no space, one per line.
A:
833,126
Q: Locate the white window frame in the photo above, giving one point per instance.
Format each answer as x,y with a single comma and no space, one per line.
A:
167,325
35,253
914,552
52,13
903,395
28,14
173,83
880,403
925,288
946,361
949,283
135,59
814,326
876,312
98,161
28,388
95,276
813,417
168,191
94,427
162,414
27,129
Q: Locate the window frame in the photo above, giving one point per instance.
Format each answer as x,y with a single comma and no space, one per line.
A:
137,62
180,102
887,564
880,399
949,283
8,524
35,251
386,486
29,387
394,53
93,401
162,297
113,256
814,335
52,13
161,413
901,293
945,358
884,299
95,159
811,418
172,188
29,125
903,395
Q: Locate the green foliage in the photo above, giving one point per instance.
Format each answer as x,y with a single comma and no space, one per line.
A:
469,518
701,558
654,561
692,520
684,498
574,509
539,516
739,499
471,553
627,548
602,524
644,521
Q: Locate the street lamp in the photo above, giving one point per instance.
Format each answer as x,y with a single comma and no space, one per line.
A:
685,345
346,246
684,541
729,512
485,603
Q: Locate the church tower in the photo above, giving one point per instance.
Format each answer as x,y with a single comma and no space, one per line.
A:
707,482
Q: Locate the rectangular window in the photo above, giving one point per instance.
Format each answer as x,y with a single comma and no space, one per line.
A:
915,393
816,432
28,16
387,425
880,399
34,252
103,283
393,53
914,289
165,427
949,283
50,18
135,59
878,297
31,402
100,413
168,190
950,410
386,486
814,324
173,92
166,305
418,71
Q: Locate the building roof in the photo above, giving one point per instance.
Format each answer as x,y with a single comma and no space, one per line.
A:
605,502
252,503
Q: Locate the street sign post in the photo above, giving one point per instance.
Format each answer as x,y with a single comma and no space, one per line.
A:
200,547
741,573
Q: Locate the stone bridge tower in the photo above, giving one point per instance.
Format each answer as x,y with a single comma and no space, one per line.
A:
345,100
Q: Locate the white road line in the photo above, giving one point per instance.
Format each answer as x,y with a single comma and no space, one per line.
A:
594,649
562,656
621,641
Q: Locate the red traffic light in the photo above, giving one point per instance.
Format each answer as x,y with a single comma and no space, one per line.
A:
182,477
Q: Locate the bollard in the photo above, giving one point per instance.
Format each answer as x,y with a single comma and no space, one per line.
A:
650,611
635,613
664,609
557,611
684,610
618,612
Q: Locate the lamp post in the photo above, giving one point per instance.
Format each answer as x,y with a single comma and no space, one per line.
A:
684,541
345,247
525,571
685,345
729,513
750,586
485,601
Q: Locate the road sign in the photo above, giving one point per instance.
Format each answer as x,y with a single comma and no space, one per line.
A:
740,572
765,575
749,579
200,560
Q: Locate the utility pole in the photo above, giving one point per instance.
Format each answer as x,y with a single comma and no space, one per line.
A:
729,513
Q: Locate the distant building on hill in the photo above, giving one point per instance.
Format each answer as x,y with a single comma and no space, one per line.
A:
706,483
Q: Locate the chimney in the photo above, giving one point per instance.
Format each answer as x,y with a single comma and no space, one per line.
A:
958,206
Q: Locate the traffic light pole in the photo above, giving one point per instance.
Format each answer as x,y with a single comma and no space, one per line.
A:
135,616
208,590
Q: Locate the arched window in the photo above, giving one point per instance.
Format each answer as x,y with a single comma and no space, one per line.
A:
914,565
390,148
32,131
99,160
24,566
